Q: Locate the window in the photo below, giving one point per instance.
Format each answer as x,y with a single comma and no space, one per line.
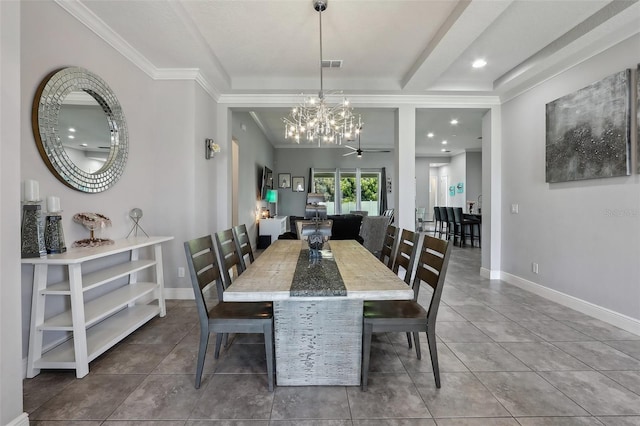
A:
359,189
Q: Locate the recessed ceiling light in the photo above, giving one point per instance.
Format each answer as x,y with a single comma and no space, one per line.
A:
445,150
429,135
83,144
71,129
444,142
71,137
479,63
454,122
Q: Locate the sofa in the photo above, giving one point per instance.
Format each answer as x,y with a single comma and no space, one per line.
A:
345,227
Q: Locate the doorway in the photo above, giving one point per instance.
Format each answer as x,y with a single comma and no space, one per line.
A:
235,166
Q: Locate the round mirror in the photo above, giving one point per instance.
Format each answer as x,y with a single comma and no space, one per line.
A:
80,129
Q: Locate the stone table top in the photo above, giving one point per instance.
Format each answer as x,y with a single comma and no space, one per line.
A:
270,277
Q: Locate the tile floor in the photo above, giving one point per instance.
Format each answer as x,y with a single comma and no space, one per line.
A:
507,357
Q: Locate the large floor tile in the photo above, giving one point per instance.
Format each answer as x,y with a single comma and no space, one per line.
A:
559,421
519,312
447,313
388,396
316,402
43,387
543,356
132,359
384,358
234,396
554,331
460,395
92,398
144,423
242,359
447,361
486,357
310,423
395,422
474,421
528,394
507,331
227,423
460,332
629,347
161,397
595,392
160,333
599,355
65,423
479,313
183,359
628,379
601,330
621,421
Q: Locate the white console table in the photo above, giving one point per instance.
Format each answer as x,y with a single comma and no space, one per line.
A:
100,323
274,226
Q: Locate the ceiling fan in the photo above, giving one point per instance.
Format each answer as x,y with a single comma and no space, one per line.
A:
358,151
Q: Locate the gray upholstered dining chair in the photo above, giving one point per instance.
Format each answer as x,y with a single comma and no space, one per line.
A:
224,317
408,315
243,244
373,231
389,246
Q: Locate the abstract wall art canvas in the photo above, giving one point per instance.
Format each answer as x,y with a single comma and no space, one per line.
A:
588,131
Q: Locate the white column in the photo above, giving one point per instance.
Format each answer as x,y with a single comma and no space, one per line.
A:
221,208
491,194
11,411
404,179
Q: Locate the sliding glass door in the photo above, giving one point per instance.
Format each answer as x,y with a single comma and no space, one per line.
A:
358,189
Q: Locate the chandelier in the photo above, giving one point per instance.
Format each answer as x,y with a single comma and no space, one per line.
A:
318,120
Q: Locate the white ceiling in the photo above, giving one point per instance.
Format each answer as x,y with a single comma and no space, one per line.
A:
389,47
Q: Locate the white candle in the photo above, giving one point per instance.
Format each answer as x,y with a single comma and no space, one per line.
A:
53,204
31,190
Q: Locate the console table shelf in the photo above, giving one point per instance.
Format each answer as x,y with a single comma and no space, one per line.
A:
97,324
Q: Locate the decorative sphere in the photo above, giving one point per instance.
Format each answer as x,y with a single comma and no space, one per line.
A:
135,213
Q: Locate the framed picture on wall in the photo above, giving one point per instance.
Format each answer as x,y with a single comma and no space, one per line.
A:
284,180
298,184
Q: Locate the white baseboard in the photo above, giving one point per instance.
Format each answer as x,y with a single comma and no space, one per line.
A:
21,420
488,273
624,322
178,293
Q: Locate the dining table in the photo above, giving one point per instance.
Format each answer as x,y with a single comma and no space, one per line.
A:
317,306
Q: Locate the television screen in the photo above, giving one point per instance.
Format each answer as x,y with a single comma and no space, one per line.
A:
267,181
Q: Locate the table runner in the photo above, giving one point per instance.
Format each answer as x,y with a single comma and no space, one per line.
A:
317,277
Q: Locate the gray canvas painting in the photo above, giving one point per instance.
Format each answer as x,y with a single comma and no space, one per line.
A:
588,131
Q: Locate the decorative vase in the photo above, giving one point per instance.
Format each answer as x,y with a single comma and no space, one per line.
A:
32,231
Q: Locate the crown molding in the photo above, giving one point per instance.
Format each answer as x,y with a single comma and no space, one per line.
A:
90,20
382,100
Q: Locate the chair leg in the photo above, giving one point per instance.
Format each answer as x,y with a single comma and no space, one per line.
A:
226,340
218,343
409,340
268,348
416,340
433,351
202,351
367,330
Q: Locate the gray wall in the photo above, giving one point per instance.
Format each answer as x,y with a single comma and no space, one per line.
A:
166,174
11,108
297,161
255,152
473,186
583,235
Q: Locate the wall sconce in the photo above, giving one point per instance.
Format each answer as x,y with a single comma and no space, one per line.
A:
210,149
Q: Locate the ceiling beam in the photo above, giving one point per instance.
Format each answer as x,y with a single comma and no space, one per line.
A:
466,23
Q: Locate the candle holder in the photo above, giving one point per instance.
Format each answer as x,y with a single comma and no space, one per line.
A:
53,234
32,231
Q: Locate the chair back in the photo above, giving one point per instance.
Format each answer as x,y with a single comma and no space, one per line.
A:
433,260
323,225
359,212
406,253
203,268
457,215
243,244
228,256
450,215
436,214
390,237
443,214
